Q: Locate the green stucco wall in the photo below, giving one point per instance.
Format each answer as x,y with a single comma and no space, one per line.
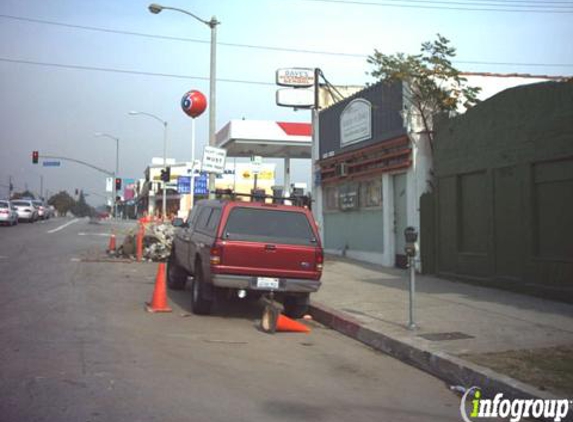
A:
355,230
504,197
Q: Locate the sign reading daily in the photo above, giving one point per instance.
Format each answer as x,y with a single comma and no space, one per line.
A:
296,76
356,122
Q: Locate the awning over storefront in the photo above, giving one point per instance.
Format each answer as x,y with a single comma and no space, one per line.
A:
245,138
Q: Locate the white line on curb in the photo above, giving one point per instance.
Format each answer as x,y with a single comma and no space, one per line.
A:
57,229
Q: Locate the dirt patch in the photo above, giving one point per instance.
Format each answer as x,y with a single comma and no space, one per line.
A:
548,369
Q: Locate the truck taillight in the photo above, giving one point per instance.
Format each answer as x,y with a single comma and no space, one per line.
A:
216,254
319,259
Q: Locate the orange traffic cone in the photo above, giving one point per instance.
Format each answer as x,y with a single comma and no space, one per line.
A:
272,321
111,246
287,324
159,301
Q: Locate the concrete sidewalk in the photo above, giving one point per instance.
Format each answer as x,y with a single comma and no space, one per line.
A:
370,304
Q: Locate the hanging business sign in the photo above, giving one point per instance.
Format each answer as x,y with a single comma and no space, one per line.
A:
356,122
295,97
295,77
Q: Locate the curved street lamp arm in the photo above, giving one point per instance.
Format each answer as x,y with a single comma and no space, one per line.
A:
109,173
213,22
135,113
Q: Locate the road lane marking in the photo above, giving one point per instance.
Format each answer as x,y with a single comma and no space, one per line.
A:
93,234
63,226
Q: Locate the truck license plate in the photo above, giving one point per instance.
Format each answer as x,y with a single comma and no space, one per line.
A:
267,283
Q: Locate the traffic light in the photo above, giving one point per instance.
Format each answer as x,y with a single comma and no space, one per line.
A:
118,183
35,156
166,174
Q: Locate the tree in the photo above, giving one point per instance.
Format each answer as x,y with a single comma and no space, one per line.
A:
62,201
433,85
25,194
81,208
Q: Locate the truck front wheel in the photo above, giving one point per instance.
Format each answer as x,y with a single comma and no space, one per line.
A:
176,276
199,304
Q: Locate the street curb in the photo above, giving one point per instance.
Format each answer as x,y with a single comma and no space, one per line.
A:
451,369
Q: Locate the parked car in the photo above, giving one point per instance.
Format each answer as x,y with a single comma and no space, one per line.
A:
26,210
42,208
8,213
248,247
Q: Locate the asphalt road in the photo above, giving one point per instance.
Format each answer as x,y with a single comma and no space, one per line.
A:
76,345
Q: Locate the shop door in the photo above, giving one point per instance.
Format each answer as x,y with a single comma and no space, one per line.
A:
400,219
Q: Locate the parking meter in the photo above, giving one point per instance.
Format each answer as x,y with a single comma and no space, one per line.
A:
411,236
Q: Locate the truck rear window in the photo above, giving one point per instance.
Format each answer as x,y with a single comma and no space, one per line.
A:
269,226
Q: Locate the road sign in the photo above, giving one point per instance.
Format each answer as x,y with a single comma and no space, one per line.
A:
51,163
201,184
109,184
256,161
184,184
214,160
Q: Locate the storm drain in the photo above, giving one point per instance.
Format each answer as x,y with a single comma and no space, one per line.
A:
455,335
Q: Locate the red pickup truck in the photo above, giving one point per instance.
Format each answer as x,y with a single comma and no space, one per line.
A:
250,248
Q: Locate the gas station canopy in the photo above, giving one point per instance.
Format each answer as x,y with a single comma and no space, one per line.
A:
245,138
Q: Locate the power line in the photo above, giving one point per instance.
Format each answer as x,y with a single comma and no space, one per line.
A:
366,3
129,72
256,47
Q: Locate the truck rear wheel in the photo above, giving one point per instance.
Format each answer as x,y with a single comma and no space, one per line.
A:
296,306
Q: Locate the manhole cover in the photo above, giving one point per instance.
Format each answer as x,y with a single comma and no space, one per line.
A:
456,335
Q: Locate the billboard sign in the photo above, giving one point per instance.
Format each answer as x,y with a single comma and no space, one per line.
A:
295,77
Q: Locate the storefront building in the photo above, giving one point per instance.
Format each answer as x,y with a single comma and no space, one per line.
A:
372,168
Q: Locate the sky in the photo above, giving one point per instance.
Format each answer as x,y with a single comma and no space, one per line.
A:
71,68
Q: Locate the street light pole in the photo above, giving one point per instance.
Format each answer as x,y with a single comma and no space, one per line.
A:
157,8
212,97
164,123
100,134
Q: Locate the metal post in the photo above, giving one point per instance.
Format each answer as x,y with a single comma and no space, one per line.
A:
41,187
192,189
164,207
116,175
411,323
286,178
212,96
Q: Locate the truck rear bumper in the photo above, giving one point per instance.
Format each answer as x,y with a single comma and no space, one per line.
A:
250,283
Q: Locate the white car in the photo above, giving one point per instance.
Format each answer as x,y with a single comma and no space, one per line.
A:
42,209
26,210
8,214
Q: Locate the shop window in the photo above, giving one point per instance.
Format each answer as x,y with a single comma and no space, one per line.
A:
331,198
371,193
